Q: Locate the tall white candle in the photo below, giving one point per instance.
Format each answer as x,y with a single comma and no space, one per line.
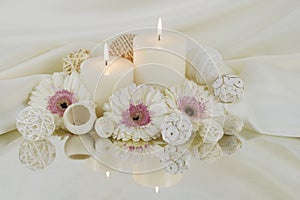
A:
102,77
152,50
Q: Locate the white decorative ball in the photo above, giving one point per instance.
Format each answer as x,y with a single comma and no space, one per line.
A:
228,88
230,144
35,123
104,127
36,155
176,129
207,151
203,65
211,131
176,159
232,125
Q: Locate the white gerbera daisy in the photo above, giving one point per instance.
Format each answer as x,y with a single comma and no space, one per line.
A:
195,101
137,111
58,92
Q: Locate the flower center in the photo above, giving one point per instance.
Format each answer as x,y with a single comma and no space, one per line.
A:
136,115
60,101
191,107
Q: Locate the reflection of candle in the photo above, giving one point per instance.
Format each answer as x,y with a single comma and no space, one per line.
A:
103,76
79,147
168,49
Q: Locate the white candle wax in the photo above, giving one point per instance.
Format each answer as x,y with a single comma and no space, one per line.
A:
169,51
102,80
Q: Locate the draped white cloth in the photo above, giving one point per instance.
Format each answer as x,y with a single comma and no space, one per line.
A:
259,39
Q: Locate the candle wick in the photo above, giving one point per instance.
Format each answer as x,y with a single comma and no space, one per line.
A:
159,37
106,63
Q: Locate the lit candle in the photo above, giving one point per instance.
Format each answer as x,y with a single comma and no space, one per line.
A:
159,58
103,75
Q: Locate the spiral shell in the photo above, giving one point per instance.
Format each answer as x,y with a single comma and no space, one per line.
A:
35,123
176,129
72,62
228,88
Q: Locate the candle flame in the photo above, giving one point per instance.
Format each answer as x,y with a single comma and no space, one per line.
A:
156,189
107,173
106,54
159,29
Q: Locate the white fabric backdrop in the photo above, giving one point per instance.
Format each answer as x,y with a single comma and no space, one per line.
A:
259,39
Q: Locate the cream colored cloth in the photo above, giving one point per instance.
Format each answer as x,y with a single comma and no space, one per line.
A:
259,39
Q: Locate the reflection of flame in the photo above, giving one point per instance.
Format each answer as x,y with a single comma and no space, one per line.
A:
36,155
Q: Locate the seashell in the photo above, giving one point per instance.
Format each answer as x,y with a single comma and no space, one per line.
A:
176,129
123,46
203,65
211,132
176,159
228,88
207,151
232,125
72,62
104,127
79,118
230,144
36,155
35,123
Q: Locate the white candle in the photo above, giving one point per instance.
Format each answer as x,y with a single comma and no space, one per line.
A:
102,77
152,51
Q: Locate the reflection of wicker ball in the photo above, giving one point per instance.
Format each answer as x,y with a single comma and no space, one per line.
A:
228,88
176,129
35,123
123,46
36,155
232,125
230,144
207,151
176,159
72,62
211,132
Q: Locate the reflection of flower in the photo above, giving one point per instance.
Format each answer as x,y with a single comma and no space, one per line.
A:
194,101
58,92
137,112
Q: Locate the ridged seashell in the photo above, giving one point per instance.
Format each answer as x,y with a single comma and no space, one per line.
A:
123,46
36,155
35,123
203,65
72,62
104,127
176,159
176,129
230,144
228,88
211,132
207,151
232,125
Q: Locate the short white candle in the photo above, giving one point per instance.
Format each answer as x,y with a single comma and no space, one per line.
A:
102,76
153,50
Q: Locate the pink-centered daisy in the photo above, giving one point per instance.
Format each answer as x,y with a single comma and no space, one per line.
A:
58,92
194,101
137,112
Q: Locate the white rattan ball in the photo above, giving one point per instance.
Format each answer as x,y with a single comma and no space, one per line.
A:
230,144
176,159
228,88
211,131
35,123
36,155
176,129
207,151
232,125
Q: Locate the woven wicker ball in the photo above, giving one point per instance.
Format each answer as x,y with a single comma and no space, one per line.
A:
176,159
228,88
233,125
35,123
207,151
123,46
176,129
72,62
230,144
36,155
211,132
